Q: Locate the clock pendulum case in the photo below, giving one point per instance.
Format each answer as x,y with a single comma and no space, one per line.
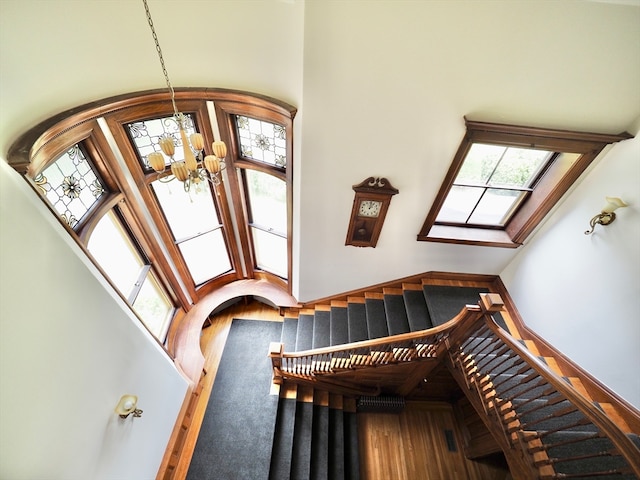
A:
370,205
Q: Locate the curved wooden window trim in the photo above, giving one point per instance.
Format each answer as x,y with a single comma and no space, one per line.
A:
41,145
551,187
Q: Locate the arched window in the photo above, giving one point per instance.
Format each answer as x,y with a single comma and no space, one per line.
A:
161,247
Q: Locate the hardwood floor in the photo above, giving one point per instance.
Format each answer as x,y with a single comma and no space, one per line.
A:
212,343
409,446
413,445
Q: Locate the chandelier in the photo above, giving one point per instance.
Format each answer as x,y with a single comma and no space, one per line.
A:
196,168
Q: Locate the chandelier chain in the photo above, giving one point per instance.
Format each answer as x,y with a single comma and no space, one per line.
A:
164,68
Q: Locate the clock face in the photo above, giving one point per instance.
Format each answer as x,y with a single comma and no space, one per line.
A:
369,208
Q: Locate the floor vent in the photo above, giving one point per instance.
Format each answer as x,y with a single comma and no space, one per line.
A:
381,404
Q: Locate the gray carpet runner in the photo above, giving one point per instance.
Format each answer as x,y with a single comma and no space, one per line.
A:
237,431
575,447
321,443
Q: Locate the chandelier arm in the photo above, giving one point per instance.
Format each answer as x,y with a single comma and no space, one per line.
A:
177,115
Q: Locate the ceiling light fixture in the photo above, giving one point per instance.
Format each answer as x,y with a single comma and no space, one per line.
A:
607,215
194,170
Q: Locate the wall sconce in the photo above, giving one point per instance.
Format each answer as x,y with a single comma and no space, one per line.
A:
607,215
127,406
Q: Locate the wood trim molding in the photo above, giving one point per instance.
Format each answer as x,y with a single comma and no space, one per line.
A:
549,190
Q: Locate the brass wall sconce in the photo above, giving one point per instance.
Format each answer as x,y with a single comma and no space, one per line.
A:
127,406
607,215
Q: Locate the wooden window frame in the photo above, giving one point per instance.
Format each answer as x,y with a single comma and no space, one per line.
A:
100,125
550,188
226,110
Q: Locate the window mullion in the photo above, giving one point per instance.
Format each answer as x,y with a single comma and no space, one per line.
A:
135,290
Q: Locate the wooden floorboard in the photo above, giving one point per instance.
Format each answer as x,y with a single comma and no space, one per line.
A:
212,342
413,445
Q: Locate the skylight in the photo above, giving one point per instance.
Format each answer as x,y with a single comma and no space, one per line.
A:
493,180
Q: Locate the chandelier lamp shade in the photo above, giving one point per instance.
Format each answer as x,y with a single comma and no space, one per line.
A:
196,167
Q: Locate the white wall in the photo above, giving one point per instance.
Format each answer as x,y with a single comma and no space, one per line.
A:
387,85
68,350
582,293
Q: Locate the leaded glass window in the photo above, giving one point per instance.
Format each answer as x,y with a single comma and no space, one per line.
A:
71,186
262,141
146,134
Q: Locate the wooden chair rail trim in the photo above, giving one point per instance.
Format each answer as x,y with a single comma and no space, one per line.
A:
596,389
472,279
623,442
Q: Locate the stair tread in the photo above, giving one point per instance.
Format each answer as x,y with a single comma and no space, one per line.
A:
321,329
417,311
376,318
283,440
304,337
320,443
339,326
445,302
397,321
336,444
301,452
357,322
289,333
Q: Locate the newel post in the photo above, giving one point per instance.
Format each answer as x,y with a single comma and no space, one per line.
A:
275,353
491,302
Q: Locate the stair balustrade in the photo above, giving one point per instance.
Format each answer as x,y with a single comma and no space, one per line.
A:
546,429
556,432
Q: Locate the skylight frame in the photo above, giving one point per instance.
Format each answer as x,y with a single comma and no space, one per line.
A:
580,147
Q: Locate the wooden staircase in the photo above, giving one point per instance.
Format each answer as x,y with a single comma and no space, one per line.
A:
316,436
391,338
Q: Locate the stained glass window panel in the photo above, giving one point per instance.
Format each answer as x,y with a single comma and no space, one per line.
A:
70,185
146,134
206,256
262,141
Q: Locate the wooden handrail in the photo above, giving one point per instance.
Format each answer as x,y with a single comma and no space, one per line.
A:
483,353
479,366
400,338
627,448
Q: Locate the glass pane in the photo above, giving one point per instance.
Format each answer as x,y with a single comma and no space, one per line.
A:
70,185
271,252
519,167
188,214
146,134
268,201
494,206
153,307
479,163
206,256
262,141
459,203
111,247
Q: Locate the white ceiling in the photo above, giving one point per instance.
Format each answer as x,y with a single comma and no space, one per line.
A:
382,88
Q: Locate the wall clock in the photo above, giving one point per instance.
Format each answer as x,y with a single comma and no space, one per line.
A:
370,205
